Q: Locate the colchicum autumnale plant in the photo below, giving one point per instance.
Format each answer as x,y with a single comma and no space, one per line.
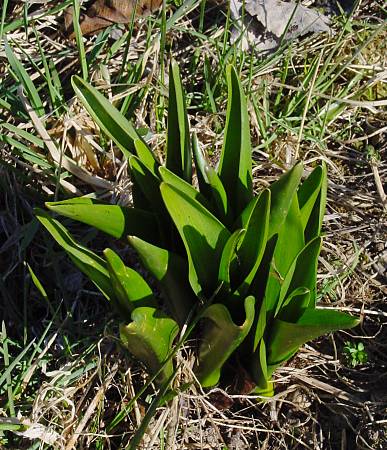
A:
243,265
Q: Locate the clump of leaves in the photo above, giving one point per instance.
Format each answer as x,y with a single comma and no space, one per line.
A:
355,353
243,265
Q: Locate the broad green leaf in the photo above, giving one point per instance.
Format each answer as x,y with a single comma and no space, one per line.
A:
235,166
244,216
24,79
286,337
171,271
130,288
112,122
203,235
93,266
294,306
228,255
178,157
308,193
149,338
149,185
117,221
303,272
253,244
290,242
260,326
282,194
260,281
220,338
251,350
259,371
222,208
146,156
209,184
170,178
314,224
107,117
201,164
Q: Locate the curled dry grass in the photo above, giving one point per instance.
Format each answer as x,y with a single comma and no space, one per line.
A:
319,99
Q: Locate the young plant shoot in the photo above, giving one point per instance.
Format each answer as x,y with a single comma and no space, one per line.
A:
240,263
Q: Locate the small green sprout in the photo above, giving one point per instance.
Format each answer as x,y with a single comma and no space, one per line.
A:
355,354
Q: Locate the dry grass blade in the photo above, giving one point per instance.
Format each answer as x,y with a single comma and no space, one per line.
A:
71,443
62,160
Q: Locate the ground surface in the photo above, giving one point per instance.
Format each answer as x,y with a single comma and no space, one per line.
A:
318,99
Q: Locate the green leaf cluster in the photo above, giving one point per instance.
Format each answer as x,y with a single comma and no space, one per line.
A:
355,353
242,265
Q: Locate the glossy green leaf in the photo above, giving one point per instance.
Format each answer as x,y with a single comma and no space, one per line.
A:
286,337
315,218
290,242
235,166
210,184
294,305
146,156
253,243
259,283
107,117
171,271
87,262
282,194
117,221
228,255
130,288
149,338
170,178
259,371
308,193
112,122
201,164
220,338
178,157
203,235
303,272
252,347
149,185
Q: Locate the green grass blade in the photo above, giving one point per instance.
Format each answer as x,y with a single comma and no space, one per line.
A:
79,40
24,79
